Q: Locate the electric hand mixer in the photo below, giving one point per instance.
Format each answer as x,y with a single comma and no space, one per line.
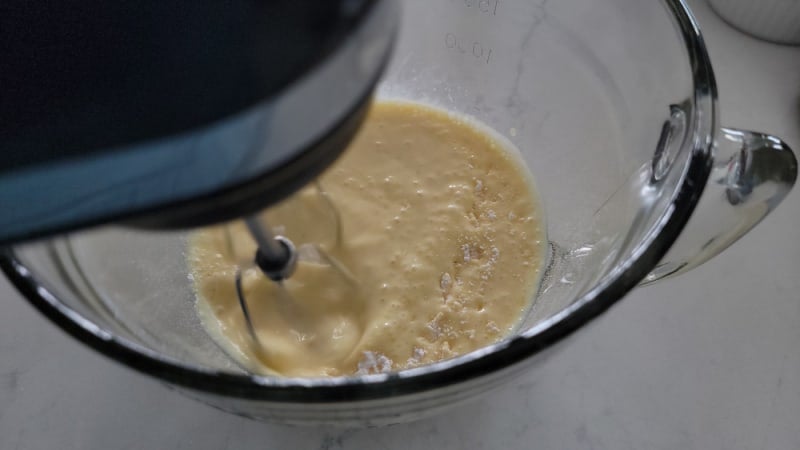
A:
166,114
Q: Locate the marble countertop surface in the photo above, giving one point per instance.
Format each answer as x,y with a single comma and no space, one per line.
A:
707,361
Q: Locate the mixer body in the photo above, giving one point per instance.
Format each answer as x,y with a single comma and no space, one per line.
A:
170,113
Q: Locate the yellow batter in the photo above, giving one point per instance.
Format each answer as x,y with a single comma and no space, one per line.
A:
441,228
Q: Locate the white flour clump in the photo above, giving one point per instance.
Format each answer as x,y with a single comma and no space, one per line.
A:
467,253
373,362
416,357
445,282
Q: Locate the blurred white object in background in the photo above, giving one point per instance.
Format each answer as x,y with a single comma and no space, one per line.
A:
773,20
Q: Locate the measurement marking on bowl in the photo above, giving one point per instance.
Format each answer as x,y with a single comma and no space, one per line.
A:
464,46
488,7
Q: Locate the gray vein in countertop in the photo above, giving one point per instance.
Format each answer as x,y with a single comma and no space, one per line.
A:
515,105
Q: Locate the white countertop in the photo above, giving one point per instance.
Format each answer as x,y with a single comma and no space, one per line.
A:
708,360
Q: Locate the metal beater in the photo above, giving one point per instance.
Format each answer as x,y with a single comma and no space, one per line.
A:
277,258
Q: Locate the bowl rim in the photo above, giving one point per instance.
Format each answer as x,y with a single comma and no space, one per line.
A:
453,371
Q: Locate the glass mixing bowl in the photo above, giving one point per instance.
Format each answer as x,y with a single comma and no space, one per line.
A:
612,104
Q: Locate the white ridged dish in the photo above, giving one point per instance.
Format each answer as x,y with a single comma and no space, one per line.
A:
773,20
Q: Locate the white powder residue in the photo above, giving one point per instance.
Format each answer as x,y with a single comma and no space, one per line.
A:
445,282
492,327
434,327
487,269
495,255
478,185
467,253
511,216
374,362
491,215
416,357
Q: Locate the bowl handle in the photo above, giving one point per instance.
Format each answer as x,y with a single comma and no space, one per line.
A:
752,173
